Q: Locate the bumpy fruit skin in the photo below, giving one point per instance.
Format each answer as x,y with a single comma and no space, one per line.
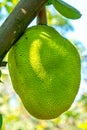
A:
45,71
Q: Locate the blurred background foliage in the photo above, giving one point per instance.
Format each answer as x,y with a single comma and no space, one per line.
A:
14,114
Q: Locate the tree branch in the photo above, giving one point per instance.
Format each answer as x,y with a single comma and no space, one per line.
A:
16,23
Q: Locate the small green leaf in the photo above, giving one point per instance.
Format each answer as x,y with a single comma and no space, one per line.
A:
1,120
49,2
66,10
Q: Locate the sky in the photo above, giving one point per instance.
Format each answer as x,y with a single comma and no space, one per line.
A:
80,25
80,32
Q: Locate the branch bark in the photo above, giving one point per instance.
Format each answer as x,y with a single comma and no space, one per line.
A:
17,22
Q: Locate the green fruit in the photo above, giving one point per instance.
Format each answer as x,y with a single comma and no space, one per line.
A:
45,71
66,10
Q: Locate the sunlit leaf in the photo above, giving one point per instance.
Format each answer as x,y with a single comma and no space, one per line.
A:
3,3
66,10
14,2
9,8
83,125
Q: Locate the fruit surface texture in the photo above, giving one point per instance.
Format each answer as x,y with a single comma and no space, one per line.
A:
45,71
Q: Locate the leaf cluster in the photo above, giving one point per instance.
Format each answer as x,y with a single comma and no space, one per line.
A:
6,7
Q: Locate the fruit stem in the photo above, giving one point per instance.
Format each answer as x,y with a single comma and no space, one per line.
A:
42,17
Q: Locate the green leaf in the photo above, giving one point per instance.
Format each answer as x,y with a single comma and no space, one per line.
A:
0,121
8,8
49,2
66,10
